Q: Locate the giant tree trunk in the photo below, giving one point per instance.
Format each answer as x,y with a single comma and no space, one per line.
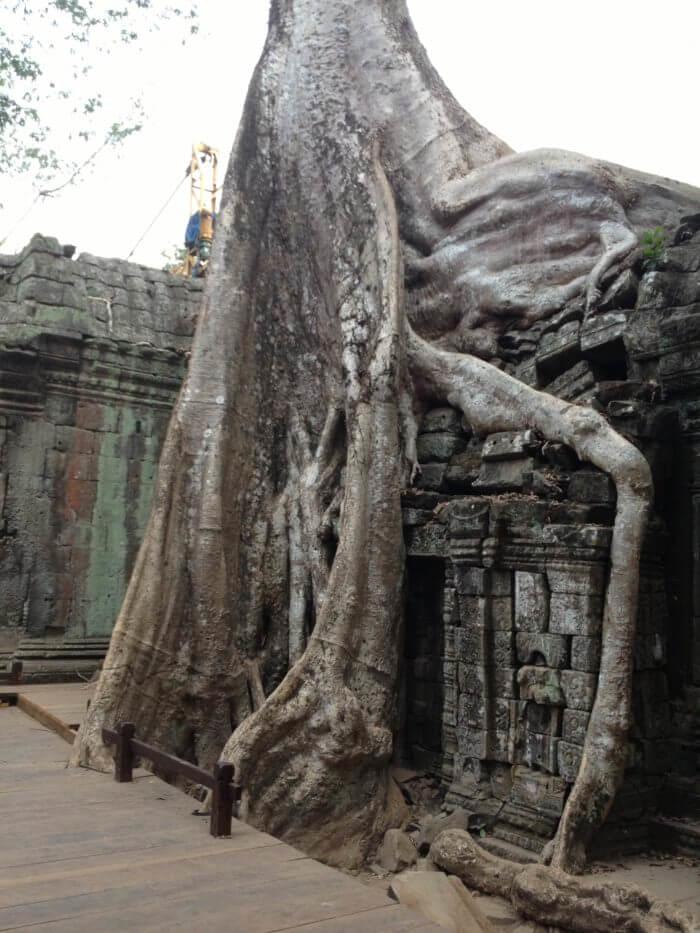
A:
373,238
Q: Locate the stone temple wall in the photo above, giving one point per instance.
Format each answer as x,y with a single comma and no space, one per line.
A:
509,536
92,353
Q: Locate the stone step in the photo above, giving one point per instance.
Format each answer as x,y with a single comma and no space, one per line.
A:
680,836
507,850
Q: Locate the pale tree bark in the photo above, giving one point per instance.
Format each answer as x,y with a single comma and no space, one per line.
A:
373,241
555,898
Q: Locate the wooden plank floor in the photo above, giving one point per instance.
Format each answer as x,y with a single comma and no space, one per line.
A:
79,852
67,701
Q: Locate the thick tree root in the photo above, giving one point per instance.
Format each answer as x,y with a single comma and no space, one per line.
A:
493,401
552,897
321,754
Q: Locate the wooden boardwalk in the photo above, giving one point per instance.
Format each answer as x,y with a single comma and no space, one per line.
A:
80,852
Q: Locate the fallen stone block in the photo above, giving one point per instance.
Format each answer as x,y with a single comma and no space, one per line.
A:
432,826
445,901
397,851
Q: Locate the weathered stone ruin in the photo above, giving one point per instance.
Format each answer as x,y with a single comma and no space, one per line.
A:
507,544
507,536
92,353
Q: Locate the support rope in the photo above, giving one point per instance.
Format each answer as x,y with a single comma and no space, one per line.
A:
157,217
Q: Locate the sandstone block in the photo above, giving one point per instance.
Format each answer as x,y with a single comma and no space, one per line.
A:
579,689
541,685
439,447
587,579
622,293
552,649
540,751
575,614
575,724
431,476
43,291
477,712
469,520
668,289
490,612
559,350
537,790
583,536
487,681
487,746
501,780
602,330
569,759
442,900
443,419
414,517
573,383
590,486
396,851
544,720
531,602
463,470
477,645
585,653
505,475
425,540
509,445
477,581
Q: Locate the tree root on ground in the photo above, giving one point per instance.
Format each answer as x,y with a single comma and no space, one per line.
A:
551,896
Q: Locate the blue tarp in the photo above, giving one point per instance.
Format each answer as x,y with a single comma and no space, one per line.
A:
192,232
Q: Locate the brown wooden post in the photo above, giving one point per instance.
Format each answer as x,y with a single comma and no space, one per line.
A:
16,672
222,800
124,760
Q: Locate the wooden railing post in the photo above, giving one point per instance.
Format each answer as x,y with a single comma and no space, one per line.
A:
222,800
124,760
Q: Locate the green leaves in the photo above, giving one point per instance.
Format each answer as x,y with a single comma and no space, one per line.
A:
47,51
653,246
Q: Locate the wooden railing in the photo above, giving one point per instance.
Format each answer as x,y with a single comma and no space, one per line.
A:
220,782
14,675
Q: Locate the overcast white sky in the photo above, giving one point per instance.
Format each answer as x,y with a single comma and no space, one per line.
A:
611,78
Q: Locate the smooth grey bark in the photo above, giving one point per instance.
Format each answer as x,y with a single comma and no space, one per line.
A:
372,237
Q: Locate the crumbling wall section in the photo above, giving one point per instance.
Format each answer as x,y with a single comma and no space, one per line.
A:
524,531
92,354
